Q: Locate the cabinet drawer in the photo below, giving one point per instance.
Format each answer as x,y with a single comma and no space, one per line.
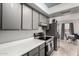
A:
42,45
42,52
33,52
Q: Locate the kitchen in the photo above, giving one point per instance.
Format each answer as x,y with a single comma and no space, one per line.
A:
31,29
18,29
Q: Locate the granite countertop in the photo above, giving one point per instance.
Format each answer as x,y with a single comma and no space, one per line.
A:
18,48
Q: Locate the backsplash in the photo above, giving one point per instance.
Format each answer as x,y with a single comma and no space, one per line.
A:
13,35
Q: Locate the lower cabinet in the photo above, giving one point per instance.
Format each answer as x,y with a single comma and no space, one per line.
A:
25,54
36,54
42,52
38,51
33,52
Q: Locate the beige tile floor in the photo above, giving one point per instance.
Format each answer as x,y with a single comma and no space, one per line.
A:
67,48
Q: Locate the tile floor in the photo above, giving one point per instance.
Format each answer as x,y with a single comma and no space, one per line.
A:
67,48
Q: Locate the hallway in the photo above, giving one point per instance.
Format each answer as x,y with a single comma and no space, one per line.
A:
67,48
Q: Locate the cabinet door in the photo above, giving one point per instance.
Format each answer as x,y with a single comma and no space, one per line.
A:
43,19
11,16
0,15
27,17
36,54
42,52
33,52
35,19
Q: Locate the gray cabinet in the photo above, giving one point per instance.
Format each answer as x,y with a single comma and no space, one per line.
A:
42,45
11,16
35,19
33,52
25,54
38,51
42,52
27,17
36,54
43,19
0,15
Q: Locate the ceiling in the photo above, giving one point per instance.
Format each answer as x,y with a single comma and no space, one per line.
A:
66,12
56,9
49,5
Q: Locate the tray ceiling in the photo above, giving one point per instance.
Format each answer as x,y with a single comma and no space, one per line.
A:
49,5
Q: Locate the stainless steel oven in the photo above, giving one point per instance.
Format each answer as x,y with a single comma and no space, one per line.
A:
49,48
49,44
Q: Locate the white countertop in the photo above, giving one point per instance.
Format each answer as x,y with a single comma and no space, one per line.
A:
19,47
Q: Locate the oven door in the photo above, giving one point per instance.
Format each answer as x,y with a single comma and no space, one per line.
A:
48,49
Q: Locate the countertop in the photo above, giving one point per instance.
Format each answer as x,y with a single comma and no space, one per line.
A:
18,48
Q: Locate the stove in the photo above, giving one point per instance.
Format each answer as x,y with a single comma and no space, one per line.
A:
49,45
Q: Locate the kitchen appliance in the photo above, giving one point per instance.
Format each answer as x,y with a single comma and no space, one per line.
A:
49,45
38,35
52,31
49,48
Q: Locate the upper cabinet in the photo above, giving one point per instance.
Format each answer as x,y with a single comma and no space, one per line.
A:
43,19
35,19
27,17
0,15
20,16
11,16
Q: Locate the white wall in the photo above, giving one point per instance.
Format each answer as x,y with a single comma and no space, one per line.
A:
13,35
76,27
67,19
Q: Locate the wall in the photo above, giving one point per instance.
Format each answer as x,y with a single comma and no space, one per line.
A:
76,26
13,35
67,19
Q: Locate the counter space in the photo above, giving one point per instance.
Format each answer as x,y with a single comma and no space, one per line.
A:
19,47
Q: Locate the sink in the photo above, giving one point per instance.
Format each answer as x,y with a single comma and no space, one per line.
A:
44,38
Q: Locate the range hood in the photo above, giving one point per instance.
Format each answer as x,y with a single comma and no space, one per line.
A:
43,24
